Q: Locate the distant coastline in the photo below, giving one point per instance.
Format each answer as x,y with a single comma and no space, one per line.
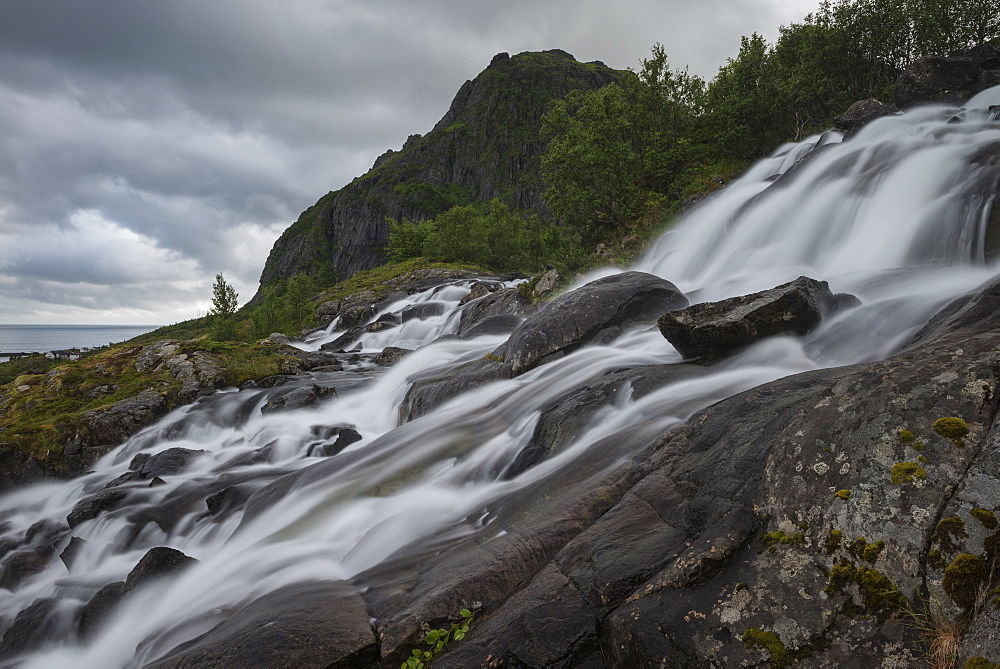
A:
49,337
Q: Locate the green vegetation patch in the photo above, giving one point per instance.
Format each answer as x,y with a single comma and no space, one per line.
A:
380,278
879,595
771,540
963,577
40,420
986,517
907,472
833,540
948,532
951,427
781,656
42,412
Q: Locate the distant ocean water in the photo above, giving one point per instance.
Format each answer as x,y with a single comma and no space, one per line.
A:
42,338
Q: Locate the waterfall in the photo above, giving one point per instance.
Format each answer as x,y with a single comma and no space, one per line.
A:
897,215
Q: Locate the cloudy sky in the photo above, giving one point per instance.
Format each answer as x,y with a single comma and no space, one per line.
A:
147,144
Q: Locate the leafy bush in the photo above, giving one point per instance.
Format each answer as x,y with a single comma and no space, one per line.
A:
493,236
438,639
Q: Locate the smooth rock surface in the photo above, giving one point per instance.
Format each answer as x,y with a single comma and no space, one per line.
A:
715,329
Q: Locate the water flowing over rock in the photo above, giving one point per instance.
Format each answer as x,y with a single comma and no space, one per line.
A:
312,624
593,498
861,113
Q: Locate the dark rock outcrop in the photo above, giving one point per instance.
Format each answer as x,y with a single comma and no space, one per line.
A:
390,355
503,302
335,439
305,625
158,563
91,507
951,79
715,329
861,113
298,398
593,314
32,628
485,146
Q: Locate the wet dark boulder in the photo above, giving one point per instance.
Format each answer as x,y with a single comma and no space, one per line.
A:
100,607
390,355
169,462
158,563
713,330
93,506
421,311
567,418
479,289
861,113
593,314
494,325
297,361
432,389
503,302
111,426
356,316
32,627
21,565
336,439
340,344
298,398
303,625
72,550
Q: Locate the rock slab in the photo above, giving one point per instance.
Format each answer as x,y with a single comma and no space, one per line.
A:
712,330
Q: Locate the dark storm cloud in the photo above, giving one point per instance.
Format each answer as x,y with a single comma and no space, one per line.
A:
145,146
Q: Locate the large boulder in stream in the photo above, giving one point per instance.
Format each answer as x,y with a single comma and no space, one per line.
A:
593,314
715,329
158,563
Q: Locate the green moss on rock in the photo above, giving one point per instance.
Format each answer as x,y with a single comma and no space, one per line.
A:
906,437
979,663
771,642
963,577
986,517
948,532
952,428
843,494
907,472
832,541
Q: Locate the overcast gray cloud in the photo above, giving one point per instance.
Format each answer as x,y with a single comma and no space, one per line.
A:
145,146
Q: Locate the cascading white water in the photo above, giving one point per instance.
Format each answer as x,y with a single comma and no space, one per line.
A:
896,216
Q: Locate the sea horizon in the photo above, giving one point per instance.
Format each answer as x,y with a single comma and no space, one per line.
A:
44,337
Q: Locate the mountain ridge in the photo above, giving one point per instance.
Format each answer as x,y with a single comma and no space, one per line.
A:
486,146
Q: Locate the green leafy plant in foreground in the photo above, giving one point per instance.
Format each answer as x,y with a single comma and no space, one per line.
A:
437,639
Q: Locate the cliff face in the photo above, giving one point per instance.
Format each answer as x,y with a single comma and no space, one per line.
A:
487,145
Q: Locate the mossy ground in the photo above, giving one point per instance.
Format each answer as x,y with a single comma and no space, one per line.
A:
40,412
379,278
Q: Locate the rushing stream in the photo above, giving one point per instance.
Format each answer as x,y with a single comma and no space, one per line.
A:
897,216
